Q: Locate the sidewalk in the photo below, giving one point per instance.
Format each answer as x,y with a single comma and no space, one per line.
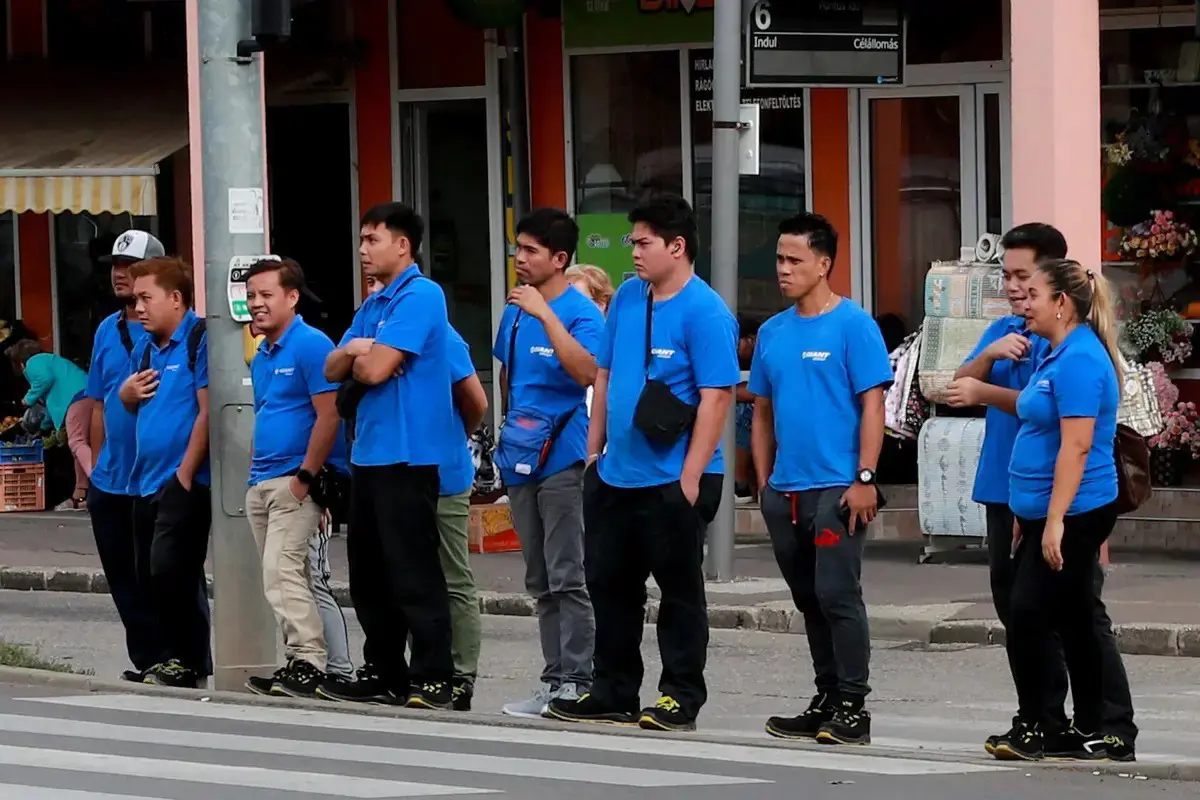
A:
1155,603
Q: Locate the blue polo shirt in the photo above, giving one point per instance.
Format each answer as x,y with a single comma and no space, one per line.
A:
456,473
991,477
693,346
164,422
813,370
111,354
393,425
1076,379
539,380
286,376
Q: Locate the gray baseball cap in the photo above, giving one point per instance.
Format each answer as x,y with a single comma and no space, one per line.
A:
133,245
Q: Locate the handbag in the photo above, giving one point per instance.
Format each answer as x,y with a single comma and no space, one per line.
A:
661,416
1132,457
528,433
1139,402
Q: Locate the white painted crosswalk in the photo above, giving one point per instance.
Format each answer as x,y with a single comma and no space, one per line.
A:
132,747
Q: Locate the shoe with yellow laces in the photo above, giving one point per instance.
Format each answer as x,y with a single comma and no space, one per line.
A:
666,715
587,707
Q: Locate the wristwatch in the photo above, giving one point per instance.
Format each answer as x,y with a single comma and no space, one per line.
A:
866,476
305,477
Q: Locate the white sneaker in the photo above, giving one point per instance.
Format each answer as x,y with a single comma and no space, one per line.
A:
532,708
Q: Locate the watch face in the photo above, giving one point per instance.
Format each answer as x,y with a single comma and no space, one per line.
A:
866,476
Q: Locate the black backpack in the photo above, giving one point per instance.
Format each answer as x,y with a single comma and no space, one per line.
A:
193,347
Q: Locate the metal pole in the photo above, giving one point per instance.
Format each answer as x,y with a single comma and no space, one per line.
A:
232,155
727,61
514,107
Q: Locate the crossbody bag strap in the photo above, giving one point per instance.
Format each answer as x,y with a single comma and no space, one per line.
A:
512,361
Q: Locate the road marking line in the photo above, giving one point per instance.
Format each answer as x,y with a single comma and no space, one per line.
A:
367,754
45,793
310,783
863,763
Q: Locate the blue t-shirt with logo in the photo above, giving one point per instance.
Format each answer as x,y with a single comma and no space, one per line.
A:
813,370
991,478
539,381
456,473
693,346
286,376
1076,379
110,367
164,422
405,419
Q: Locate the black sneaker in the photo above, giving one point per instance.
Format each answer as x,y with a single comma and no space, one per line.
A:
806,725
1119,750
133,676
263,685
666,715
462,692
992,742
433,695
299,679
1027,743
369,687
588,708
172,673
851,724
1074,745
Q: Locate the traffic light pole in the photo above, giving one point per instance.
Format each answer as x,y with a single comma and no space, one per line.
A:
232,157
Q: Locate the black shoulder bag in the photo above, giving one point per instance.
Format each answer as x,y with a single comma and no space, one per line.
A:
661,416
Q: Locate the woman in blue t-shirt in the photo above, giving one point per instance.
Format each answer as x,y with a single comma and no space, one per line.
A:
1063,488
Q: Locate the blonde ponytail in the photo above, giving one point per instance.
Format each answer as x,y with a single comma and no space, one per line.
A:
1102,318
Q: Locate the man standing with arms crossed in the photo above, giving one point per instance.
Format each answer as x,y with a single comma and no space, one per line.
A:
818,375
295,433
546,343
667,367
397,347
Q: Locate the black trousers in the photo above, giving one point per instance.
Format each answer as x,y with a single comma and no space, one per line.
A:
112,525
1045,603
170,533
396,580
1118,702
629,535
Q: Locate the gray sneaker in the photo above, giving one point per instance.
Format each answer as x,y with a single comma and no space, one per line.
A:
534,707
568,692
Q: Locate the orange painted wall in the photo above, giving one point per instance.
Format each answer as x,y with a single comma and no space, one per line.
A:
435,50
373,96
37,312
829,110
26,20
544,67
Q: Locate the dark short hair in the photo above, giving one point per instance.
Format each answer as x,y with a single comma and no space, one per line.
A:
171,274
291,277
821,236
670,217
747,326
553,229
398,218
1046,241
23,350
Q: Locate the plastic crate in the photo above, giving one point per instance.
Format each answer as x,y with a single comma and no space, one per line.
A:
22,487
22,453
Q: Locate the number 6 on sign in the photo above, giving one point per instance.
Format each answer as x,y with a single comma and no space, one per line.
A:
762,15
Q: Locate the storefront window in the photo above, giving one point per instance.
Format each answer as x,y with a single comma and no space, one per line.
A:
943,33
8,266
777,192
627,141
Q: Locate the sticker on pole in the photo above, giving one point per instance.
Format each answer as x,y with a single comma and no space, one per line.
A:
235,286
246,214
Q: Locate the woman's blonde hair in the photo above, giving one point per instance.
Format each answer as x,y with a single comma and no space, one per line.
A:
1091,294
599,285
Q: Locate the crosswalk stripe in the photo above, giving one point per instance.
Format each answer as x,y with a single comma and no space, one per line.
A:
311,783
44,793
859,762
367,754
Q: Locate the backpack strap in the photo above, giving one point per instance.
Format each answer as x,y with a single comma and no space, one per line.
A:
145,365
193,342
123,332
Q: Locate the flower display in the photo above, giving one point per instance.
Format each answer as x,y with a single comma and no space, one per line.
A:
1165,390
1179,430
1159,334
1160,238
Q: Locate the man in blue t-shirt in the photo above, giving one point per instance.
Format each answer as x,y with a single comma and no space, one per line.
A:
168,393
993,375
546,345
396,346
664,388
110,501
818,375
295,436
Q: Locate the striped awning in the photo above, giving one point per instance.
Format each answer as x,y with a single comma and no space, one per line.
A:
86,156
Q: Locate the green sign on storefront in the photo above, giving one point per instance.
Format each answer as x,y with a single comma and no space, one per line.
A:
623,23
604,242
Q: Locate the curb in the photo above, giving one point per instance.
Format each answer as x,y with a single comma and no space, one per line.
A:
89,684
779,617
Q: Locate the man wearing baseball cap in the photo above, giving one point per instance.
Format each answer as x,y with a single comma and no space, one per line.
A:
110,499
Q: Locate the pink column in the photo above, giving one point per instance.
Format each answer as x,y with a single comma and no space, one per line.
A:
1056,119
